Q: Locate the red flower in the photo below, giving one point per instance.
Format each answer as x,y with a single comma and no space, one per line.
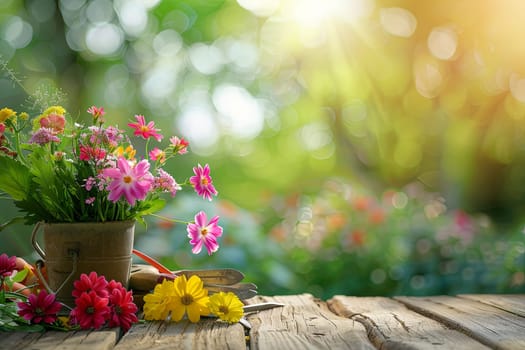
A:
7,265
123,309
41,308
91,310
91,283
87,153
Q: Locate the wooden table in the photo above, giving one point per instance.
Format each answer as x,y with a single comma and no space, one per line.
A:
342,322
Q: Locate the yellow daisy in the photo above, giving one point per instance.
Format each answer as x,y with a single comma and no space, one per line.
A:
157,304
6,113
226,306
190,298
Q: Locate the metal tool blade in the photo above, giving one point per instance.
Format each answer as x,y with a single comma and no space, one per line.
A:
242,290
261,306
214,276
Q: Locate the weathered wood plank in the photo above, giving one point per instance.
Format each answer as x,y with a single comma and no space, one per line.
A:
390,325
513,303
489,325
303,323
52,340
209,333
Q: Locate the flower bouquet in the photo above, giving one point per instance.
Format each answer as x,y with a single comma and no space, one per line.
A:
60,172
70,172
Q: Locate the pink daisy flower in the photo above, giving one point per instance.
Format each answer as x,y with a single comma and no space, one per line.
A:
179,145
145,130
157,154
41,308
91,311
90,283
133,183
96,111
204,233
202,182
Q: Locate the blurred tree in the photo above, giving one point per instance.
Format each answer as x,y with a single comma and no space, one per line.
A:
279,94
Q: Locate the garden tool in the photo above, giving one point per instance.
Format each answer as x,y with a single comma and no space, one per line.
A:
144,278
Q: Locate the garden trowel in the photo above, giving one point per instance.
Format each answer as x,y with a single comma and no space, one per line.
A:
144,278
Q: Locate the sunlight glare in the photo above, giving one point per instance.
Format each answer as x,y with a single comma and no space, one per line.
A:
398,21
442,43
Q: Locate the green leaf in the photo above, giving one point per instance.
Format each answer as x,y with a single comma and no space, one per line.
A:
15,178
20,275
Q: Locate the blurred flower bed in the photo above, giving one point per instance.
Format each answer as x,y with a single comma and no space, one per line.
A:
344,240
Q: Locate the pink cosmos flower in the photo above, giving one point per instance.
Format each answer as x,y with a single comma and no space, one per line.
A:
157,154
166,183
54,122
90,283
7,265
205,233
41,308
96,112
44,136
91,311
145,130
202,182
179,145
133,183
122,309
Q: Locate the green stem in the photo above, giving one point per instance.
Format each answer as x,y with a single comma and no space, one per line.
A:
171,220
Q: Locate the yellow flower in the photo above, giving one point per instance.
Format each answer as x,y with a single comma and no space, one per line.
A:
226,306
6,113
129,152
190,298
58,110
156,304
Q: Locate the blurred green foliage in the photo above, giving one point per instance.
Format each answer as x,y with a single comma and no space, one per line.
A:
281,97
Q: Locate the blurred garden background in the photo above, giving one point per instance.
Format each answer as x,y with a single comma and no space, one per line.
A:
359,147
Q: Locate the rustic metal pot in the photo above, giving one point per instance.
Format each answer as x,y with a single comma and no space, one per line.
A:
71,249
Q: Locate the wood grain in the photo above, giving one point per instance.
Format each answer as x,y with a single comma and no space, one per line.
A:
490,325
55,340
513,303
209,333
390,325
304,323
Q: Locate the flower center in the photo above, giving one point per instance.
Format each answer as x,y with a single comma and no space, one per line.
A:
186,299
127,179
90,310
204,181
223,309
204,231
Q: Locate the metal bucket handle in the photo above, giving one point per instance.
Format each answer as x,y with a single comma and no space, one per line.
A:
40,263
35,243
